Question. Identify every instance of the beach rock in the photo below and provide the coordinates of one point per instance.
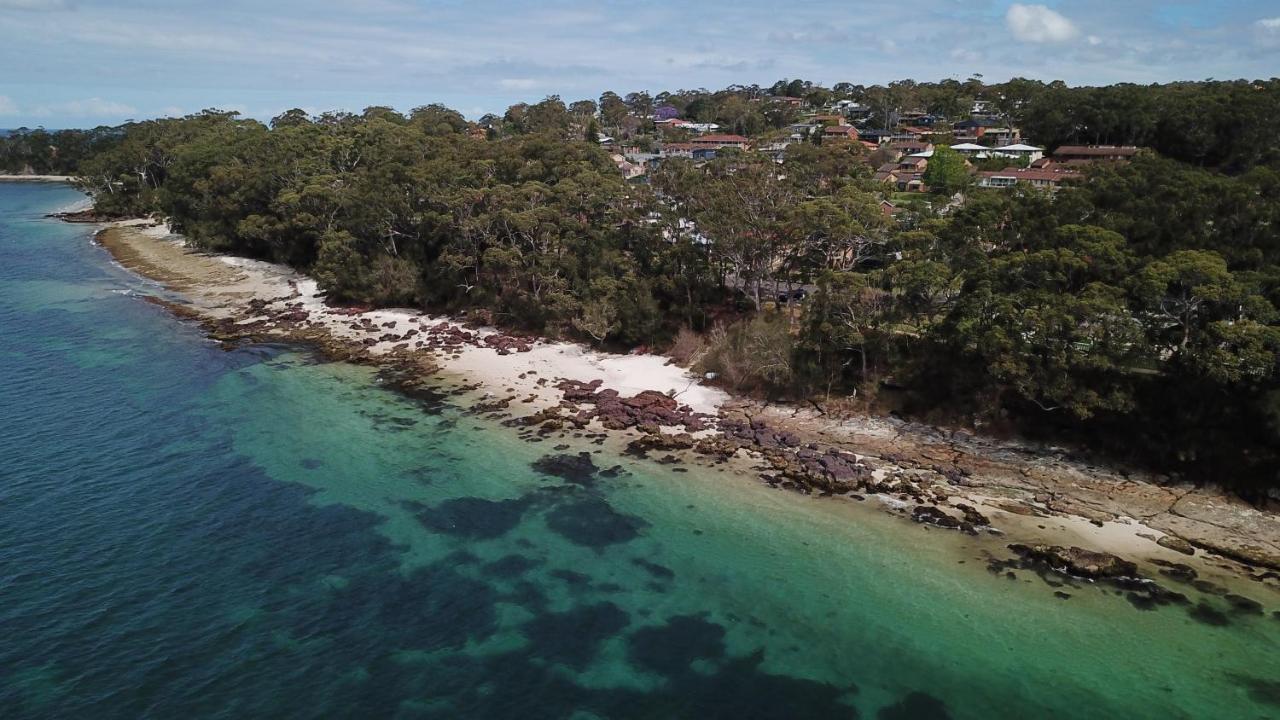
(1176, 571)
(1242, 604)
(1177, 544)
(717, 446)
(659, 440)
(1076, 561)
(971, 515)
(930, 515)
(1247, 554)
(615, 412)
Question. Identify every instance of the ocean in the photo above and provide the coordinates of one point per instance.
(187, 531)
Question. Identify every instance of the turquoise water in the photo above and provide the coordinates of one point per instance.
(191, 532)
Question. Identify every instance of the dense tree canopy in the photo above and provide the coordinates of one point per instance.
(1137, 311)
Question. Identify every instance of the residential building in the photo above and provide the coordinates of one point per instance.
(628, 169)
(1078, 154)
(878, 136)
(777, 151)
(909, 147)
(1001, 135)
(1035, 177)
(840, 133)
(720, 141)
(1029, 152)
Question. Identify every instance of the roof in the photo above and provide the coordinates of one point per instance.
(977, 122)
(722, 139)
(1098, 150)
(1032, 174)
(1019, 148)
(964, 147)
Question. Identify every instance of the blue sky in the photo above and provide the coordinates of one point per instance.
(73, 63)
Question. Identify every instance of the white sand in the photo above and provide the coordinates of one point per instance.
(499, 374)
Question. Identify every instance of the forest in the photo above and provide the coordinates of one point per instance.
(1134, 313)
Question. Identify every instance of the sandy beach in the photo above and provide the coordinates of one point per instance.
(1024, 494)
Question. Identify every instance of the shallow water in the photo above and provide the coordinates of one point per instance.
(186, 531)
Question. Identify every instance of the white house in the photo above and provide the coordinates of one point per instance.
(1030, 152)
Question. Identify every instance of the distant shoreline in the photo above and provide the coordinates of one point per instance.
(38, 178)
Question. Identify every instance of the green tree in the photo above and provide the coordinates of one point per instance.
(946, 173)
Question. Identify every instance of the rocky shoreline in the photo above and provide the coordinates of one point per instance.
(1029, 499)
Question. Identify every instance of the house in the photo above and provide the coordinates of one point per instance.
(628, 169)
(646, 160)
(801, 131)
(878, 136)
(1080, 154)
(701, 127)
(1040, 178)
(849, 107)
(915, 131)
(901, 180)
(975, 125)
(840, 132)
(777, 151)
(910, 147)
(670, 150)
(913, 163)
(906, 175)
(970, 148)
(1001, 135)
(1030, 152)
(720, 141)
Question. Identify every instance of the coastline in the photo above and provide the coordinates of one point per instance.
(1025, 495)
(38, 178)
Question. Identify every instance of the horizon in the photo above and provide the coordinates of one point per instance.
(138, 60)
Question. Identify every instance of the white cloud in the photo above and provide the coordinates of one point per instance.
(91, 108)
(1266, 32)
(1039, 24)
(7, 106)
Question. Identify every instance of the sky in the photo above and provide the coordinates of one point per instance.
(81, 63)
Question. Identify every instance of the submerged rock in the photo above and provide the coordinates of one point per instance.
(1076, 561)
